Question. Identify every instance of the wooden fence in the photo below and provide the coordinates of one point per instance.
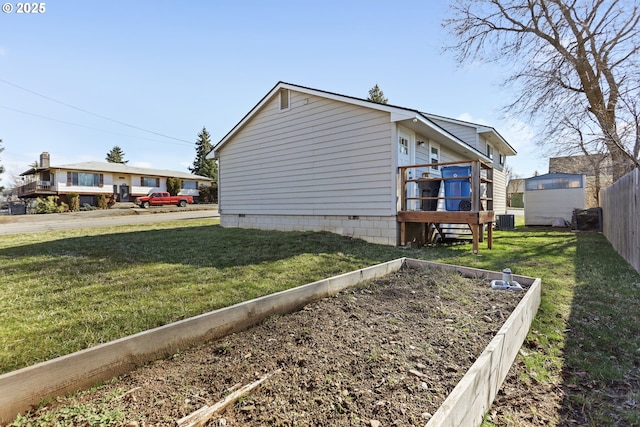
(621, 216)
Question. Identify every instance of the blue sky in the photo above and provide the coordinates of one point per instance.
(85, 76)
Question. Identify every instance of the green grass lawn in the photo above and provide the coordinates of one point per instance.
(68, 290)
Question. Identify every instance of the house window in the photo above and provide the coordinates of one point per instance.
(434, 153)
(85, 179)
(403, 145)
(489, 151)
(502, 158)
(149, 182)
(190, 185)
(285, 98)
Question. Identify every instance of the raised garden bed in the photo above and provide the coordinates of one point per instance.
(423, 343)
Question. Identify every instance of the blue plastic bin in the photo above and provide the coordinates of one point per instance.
(457, 187)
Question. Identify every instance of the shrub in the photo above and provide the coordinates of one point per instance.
(74, 201)
(101, 201)
(208, 194)
(50, 205)
(517, 200)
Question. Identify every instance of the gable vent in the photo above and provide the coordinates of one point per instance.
(284, 99)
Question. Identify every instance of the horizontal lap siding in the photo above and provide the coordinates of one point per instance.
(467, 134)
(448, 156)
(321, 157)
(499, 191)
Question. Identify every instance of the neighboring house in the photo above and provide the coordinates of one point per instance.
(307, 159)
(550, 199)
(89, 179)
(596, 167)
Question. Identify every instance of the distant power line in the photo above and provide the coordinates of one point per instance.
(91, 113)
(89, 127)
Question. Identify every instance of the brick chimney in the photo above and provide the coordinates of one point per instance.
(44, 160)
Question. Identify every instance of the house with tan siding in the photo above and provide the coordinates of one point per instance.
(308, 159)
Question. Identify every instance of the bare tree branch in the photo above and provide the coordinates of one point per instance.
(570, 58)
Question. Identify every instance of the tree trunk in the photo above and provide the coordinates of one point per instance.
(621, 164)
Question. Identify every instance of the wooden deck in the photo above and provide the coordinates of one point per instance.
(423, 226)
(433, 222)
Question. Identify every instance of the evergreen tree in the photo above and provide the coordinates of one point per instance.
(116, 155)
(376, 95)
(173, 186)
(201, 165)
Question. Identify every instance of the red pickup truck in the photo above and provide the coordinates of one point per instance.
(163, 198)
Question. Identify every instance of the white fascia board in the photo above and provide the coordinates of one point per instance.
(452, 138)
(213, 154)
(337, 97)
(480, 130)
(494, 136)
(399, 113)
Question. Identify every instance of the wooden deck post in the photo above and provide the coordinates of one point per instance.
(475, 186)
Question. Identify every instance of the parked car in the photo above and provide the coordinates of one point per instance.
(163, 198)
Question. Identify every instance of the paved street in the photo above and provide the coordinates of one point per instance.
(17, 224)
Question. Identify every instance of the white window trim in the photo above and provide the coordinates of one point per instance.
(437, 147)
(288, 98)
(490, 151)
(403, 145)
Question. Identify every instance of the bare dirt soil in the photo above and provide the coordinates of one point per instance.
(386, 353)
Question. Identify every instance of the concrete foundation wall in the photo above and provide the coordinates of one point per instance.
(374, 229)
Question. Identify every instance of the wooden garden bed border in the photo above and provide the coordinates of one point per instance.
(24, 388)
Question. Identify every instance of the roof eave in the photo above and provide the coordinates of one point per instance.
(459, 145)
(95, 167)
(492, 132)
(396, 113)
(481, 130)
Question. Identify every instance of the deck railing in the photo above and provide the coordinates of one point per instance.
(36, 187)
(467, 200)
(480, 181)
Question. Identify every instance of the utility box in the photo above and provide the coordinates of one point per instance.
(505, 222)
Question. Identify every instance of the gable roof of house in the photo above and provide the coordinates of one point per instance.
(488, 132)
(397, 114)
(118, 168)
